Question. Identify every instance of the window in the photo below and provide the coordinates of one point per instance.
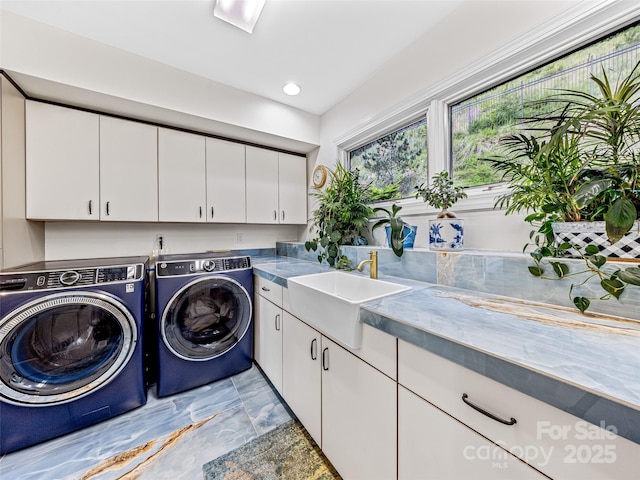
(395, 163)
(478, 123)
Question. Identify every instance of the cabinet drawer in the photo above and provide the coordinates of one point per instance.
(268, 289)
(555, 442)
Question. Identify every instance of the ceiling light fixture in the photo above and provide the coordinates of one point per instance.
(291, 88)
(239, 13)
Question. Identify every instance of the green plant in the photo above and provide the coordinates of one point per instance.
(387, 192)
(578, 161)
(341, 217)
(605, 128)
(397, 227)
(612, 281)
(441, 193)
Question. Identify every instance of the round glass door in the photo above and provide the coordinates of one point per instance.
(64, 346)
(206, 318)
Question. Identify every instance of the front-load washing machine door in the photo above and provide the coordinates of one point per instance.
(206, 318)
(63, 346)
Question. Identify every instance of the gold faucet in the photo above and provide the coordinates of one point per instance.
(373, 267)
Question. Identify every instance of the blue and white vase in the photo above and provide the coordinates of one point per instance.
(446, 234)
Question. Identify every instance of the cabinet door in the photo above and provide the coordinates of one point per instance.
(181, 177)
(128, 171)
(292, 188)
(301, 373)
(268, 340)
(62, 163)
(434, 446)
(358, 416)
(262, 186)
(226, 197)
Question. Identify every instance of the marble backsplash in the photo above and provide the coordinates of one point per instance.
(504, 274)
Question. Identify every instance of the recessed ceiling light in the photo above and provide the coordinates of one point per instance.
(291, 88)
(240, 13)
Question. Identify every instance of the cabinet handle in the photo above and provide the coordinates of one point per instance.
(211, 212)
(265, 289)
(465, 399)
(275, 215)
(90, 207)
(278, 322)
(200, 212)
(314, 349)
(283, 215)
(325, 359)
(108, 209)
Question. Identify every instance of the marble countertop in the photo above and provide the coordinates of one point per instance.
(588, 366)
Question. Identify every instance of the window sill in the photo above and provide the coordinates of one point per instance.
(478, 199)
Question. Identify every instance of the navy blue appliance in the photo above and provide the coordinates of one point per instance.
(70, 346)
(204, 319)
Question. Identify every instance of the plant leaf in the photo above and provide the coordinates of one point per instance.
(598, 260)
(592, 249)
(535, 271)
(589, 191)
(619, 218)
(630, 275)
(613, 286)
(561, 269)
(581, 303)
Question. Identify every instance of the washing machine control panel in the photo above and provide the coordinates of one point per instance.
(171, 268)
(56, 279)
(117, 274)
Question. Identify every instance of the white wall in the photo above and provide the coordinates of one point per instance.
(21, 241)
(72, 240)
(40, 51)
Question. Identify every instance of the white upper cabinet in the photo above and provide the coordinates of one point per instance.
(128, 171)
(226, 199)
(62, 163)
(262, 185)
(85, 166)
(276, 187)
(181, 177)
(292, 188)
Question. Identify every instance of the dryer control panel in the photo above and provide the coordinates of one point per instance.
(172, 268)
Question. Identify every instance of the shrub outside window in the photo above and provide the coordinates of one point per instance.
(478, 123)
(393, 164)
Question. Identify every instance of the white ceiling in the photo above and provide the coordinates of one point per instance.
(329, 47)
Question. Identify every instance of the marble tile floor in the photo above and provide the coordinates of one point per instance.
(169, 438)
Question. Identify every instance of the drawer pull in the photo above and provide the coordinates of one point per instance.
(488, 414)
(265, 289)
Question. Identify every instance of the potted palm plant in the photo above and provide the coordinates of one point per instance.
(446, 232)
(341, 218)
(578, 176)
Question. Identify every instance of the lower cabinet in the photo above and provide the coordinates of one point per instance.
(268, 339)
(302, 373)
(347, 405)
(435, 446)
(358, 416)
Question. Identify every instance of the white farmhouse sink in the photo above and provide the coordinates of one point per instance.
(331, 301)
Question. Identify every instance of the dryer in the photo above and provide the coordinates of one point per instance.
(204, 319)
(70, 346)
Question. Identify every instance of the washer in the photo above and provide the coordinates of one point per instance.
(70, 346)
(204, 313)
